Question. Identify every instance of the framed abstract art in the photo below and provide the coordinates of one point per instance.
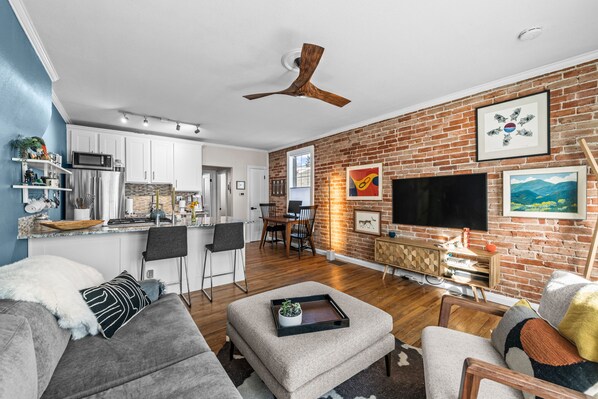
(364, 182)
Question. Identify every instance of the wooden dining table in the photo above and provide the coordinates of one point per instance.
(288, 223)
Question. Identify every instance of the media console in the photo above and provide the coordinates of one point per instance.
(475, 268)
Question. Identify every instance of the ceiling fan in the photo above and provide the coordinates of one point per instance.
(302, 87)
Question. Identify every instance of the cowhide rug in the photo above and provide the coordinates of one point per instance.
(406, 381)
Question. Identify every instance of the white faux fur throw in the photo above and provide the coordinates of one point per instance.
(53, 282)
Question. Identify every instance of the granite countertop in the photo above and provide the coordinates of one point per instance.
(47, 232)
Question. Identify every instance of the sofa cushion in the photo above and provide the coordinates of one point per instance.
(162, 335)
(18, 371)
(49, 340)
(199, 377)
(115, 302)
(558, 294)
(519, 312)
(444, 352)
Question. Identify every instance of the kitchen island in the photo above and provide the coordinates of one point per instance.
(112, 249)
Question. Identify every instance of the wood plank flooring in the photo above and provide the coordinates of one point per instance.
(411, 305)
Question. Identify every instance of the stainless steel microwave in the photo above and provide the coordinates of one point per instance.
(91, 160)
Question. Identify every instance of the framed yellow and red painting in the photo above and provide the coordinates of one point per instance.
(364, 182)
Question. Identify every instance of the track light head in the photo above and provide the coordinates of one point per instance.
(178, 126)
(145, 121)
(197, 129)
(124, 118)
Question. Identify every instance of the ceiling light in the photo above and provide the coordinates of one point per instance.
(197, 129)
(530, 33)
(145, 122)
(124, 118)
(178, 126)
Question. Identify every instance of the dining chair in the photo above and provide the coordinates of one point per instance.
(303, 230)
(269, 210)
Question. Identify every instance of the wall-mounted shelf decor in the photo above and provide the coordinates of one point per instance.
(47, 167)
(278, 187)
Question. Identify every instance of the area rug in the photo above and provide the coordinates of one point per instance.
(406, 381)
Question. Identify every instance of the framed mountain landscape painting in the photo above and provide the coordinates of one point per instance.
(552, 193)
(513, 129)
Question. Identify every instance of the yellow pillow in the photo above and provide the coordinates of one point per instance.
(580, 324)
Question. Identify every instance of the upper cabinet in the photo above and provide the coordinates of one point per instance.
(137, 168)
(187, 166)
(86, 139)
(162, 161)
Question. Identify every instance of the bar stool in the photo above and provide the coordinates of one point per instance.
(227, 237)
(168, 243)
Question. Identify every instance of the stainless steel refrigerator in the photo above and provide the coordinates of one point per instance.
(107, 189)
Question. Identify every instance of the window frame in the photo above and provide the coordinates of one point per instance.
(290, 170)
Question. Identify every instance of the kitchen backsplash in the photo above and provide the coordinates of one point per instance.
(142, 196)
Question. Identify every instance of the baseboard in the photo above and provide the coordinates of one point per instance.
(421, 279)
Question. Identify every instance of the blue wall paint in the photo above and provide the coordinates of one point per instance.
(55, 139)
(26, 109)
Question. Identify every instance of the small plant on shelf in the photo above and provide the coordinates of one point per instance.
(289, 314)
(30, 147)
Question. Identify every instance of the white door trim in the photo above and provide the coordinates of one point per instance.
(248, 191)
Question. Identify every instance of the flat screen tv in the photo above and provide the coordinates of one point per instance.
(444, 201)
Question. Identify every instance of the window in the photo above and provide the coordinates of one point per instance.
(300, 175)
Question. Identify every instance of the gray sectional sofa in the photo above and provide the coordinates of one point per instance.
(159, 354)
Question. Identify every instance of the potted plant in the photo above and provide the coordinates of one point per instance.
(290, 314)
(29, 147)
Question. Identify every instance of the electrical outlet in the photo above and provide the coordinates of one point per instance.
(149, 273)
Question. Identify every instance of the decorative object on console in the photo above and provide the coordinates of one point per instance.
(240, 185)
(278, 187)
(392, 234)
(465, 237)
(514, 129)
(367, 222)
(364, 182)
(116, 302)
(289, 314)
(490, 247)
(53, 282)
(552, 193)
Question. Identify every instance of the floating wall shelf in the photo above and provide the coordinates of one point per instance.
(47, 167)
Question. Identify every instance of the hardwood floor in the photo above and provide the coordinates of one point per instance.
(411, 305)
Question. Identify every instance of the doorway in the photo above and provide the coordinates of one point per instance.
(257, 186)
(216, 183)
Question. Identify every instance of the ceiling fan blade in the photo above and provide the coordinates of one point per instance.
(331, 98)
(289, 91)
(259, 95)
(310, 58)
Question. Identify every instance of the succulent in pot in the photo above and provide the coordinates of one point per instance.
(290, 314)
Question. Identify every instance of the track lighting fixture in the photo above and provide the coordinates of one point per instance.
(145, 118)
(178, 126)
(124, 118)
(197, 129)
(145, 122)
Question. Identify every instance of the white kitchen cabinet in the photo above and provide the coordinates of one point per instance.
(113, 144)
(162, 162)
(187, 166)
(137, 154)
(81, 140)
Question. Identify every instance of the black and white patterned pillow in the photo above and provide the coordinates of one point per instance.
(114, 303)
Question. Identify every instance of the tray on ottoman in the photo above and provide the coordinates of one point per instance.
(320, 313)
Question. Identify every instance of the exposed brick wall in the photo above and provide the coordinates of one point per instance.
(441, 141)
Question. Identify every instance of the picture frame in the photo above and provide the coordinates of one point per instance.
(240, 185)
(278, 187)
(514, 129)
(367, 222)
(549, 193)
(364, 182)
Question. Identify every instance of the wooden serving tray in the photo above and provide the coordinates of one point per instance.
(320, 313)
(66, 225)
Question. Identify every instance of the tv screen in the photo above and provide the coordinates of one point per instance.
(445, 201)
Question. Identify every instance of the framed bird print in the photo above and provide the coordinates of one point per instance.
(364, 182)
(514, 129)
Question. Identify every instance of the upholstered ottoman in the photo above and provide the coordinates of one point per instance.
(308, 365)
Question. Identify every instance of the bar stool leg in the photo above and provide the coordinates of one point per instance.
(187, 300)
(203, 273)
(142, 272)
(246, 288)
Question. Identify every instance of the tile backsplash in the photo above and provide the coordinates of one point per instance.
(142, 196)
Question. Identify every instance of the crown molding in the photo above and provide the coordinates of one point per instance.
(25, 20)
(60, 108)
(531, 73)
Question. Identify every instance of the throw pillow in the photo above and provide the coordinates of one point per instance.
(531, 346)
(115, 302)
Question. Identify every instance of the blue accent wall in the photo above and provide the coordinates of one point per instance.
(25, 108)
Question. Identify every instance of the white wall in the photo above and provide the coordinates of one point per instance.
(237, 159)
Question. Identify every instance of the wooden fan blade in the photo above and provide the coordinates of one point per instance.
(289, 91)
(310, 58)
(331, 98)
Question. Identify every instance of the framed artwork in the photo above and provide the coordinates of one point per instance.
(278, 187)
(364, 182)
(240, 185)
(552, 193)
(367, 222)
(514, 129)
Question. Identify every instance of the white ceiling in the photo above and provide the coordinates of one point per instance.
(193, 60)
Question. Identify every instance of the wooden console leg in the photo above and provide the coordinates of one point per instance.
(388, 361)
(385, 271)
(484, 294)
(475, 293)
(232, 351)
